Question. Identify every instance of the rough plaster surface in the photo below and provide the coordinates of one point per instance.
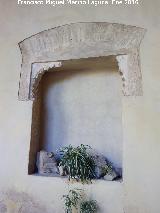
(83, 40)
(140, 115)
(19, 202)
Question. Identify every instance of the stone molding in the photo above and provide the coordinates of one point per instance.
(37, 71)
(82, 40)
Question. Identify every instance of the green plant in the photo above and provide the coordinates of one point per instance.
(88, 207)
(78, 163)
(72, 200)
(75, 201)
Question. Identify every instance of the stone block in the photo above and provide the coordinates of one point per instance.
(46, 163)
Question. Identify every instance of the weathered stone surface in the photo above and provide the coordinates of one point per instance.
(38, 69)
(83, 40)
(46, 163)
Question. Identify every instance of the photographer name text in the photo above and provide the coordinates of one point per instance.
(77, 2)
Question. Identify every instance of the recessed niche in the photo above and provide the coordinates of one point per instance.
(79, 103)
(54, 57)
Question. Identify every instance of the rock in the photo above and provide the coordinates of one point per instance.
(103, 167)
(100, 163)
(46, 163)
(112, 175)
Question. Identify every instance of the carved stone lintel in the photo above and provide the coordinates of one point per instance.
(81, 40)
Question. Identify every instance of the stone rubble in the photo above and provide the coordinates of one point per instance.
(47, 165)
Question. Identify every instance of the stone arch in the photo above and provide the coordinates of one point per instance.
(82, 40)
